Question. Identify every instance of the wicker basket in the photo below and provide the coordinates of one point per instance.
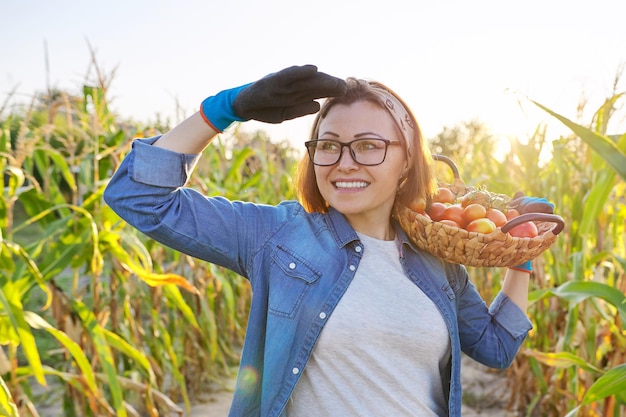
(496, 249)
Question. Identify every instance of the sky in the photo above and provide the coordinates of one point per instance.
(451, 60)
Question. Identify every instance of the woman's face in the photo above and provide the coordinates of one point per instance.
(364, 194)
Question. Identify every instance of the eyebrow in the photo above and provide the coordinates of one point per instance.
(358, 135)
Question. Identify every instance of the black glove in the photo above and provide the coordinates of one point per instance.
(280, 96)
(287, 94)
(524, 204)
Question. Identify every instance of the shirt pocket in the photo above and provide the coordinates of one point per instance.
(291, 277)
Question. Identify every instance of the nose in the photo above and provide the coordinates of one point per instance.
(346, 160)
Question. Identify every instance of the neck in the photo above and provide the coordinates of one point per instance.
(377, 230)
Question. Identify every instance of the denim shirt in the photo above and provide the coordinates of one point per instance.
(299, 265)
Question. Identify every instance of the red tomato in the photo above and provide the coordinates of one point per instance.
(496, 216)
(474, 211)
(418, 204)
(527, 229)
(454, 212)
(511, 214)
(444, 195)
(435, 211)
(451, 223)
(482, 225)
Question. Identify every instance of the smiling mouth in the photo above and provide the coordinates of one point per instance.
(351, 184)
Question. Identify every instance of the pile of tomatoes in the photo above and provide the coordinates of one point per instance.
(474, 212)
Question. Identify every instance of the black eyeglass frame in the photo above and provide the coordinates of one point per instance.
(310, 146)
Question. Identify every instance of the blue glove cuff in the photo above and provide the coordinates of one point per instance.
(525, 267)
(217, 110)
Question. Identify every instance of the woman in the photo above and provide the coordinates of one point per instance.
(348, 318)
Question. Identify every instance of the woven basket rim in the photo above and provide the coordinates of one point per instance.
(495, 249)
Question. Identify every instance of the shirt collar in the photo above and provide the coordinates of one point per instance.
(345, 234)
(340, 228)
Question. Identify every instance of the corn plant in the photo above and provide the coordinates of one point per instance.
(573, 360)
(89, 307)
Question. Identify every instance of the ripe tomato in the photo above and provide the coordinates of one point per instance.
(454, 212)
(451, 223)
(418, 204)
(482, 225)
(511, 214)
(435, 211)
(527, 229)
(496, 216)
(444, 195)
(474, 211)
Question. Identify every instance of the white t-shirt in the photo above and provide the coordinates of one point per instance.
(382, 351)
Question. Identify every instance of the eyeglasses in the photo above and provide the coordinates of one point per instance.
(365, 151)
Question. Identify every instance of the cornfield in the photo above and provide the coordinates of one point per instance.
(100, 319)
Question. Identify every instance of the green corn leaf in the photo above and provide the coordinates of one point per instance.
(226, 291)
(573, 412)
(8, 335)
(172, 292)
(76, 381)
(37, 322)
(103, 350)
(7, 406)
(16, 180)
(240, 157)
(174, 360)
(33, 269)
(126, 247)
(613, 382)
(578, 291)
(603, 145)
(10, 301)
(63, 167)
(61, 253)
(570, 326)
(596, 200)
(561, 360)
(117, 342)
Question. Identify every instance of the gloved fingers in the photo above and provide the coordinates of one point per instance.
(289, 92)
(517, 195)
(318, 85)
(293, 73)
(299, 110)
(282, 113)
(297, 84)
(525, 204)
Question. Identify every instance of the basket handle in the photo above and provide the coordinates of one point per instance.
(544, 217)
(449, 162)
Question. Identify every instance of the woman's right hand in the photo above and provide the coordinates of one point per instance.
(280, 96)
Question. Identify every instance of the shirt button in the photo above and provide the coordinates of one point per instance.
(292, 265)
(322, 315)
(352, 268)
(295, 371)
(358, 249)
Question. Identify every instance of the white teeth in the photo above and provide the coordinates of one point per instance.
(351, 184)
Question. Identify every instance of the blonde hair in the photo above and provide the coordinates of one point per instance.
(418, 181)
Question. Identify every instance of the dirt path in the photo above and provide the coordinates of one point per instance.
(484, 394)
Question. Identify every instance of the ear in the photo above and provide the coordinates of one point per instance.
(405, 171)
(403, 178)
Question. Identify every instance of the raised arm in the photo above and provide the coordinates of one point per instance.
(280, 96)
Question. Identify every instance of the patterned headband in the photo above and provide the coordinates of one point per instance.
(400, 115)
